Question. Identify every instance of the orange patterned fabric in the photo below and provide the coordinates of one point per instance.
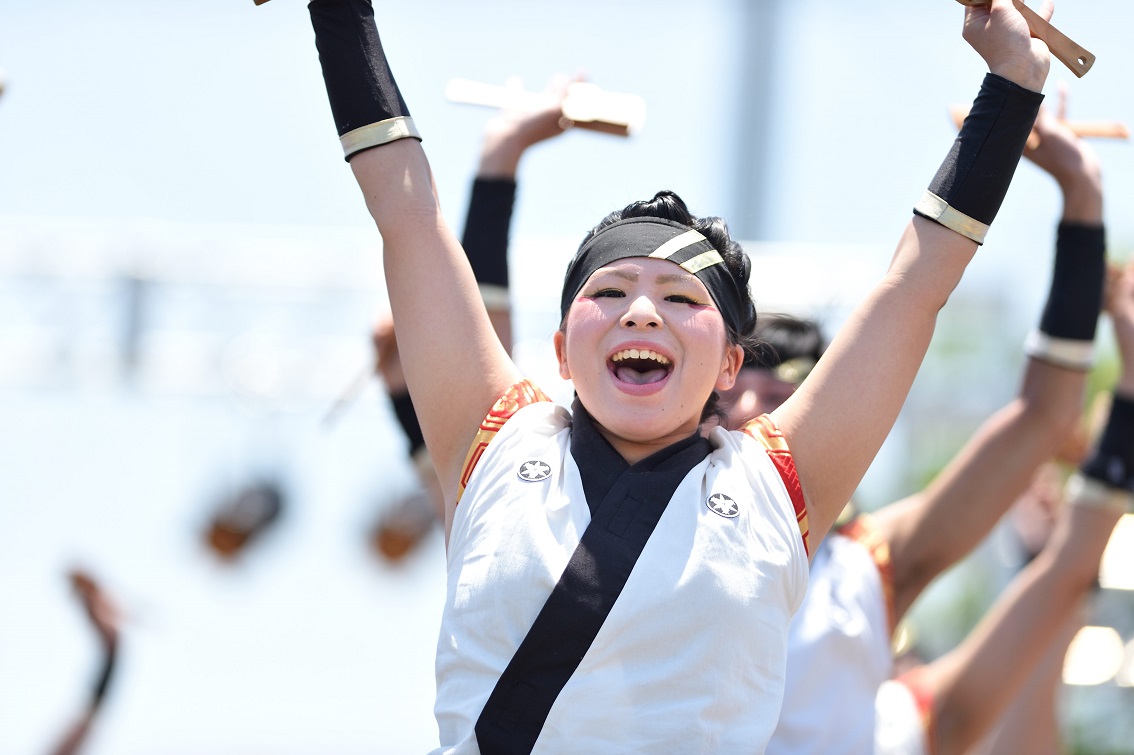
(765, 432)
(863, 530)
(917, 682)
(515, 398)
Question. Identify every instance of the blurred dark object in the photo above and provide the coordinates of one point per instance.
(243, 518)
(101, 610)
(403, 525)
(106, 619)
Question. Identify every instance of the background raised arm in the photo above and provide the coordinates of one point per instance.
(973, 684)
(933, 529)
(507, 136)
(837, 420)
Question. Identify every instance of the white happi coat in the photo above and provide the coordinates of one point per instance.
(691, 658)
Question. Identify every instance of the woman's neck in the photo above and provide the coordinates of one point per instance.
(634, 451)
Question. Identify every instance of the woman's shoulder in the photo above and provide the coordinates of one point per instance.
(761, 449)
(762, 431)
(522, 411)
(521, 405)
(544, 417)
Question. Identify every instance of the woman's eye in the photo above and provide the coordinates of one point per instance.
(681, 299)
(608, 292)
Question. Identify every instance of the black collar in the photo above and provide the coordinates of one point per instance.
(600, 466)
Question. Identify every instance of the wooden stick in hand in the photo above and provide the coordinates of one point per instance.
(585, 106)
(1088, 129)
(1066, 50)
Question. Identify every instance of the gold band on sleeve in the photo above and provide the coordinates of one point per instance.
(1083, 491)
(938, 210)
(1068, 353)
(496, 298)
(377, 134)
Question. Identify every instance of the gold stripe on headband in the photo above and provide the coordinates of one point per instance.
(701, 261)
(937, 209)
(794, 370)
(377, 134)
(677, 243)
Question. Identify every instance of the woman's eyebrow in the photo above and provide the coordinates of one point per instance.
(675, 278)
(626, 275)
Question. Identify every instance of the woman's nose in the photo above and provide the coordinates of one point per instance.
(641, 314)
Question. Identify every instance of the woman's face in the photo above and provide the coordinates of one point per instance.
(645, 345)
(756, 391)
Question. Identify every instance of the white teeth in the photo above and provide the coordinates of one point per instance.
(639, 354)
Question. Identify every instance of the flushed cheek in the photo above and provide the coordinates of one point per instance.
(578, 343)
(586, 321)
(706, 330)
(585, 310)
(707, 320)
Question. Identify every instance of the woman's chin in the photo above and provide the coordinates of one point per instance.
(647, 426)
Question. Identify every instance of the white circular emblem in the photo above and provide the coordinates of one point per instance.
(719, 503)
(534, 471)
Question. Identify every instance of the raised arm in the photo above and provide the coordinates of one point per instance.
(488, 220)
(507, 137)
(445, 337)
(837, 420)
(933, 529)
(974, 683)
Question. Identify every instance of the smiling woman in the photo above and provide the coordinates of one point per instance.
(600, 559)
(624, 298)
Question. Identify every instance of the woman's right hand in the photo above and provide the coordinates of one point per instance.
(1072, 163)
(999, 32)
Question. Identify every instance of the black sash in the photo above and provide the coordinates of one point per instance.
(626, 503)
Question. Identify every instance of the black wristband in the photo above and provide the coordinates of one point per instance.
(1077, 282)
(1112, 462)
(368, 108)
(1066, 332)
(407, 418)
(486, 230)
(970, 186)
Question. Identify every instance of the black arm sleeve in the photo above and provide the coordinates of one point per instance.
(487, 228)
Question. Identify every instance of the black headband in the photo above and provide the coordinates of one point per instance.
(660, 239)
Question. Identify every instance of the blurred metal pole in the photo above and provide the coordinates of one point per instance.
(758, 62)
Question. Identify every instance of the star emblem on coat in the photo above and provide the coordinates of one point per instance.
(534, 471)
(719, 503)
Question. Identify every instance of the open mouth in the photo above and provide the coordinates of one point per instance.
(640, 366)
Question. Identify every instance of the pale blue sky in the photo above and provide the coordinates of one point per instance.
(212, 115)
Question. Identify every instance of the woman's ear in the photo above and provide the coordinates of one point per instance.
(560, 342)
(730, 367)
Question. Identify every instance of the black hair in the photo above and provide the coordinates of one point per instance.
(781, 338)
(669, 206)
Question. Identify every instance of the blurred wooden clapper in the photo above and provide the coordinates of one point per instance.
(1069, 52)
(586, 105)
(1083, 129)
